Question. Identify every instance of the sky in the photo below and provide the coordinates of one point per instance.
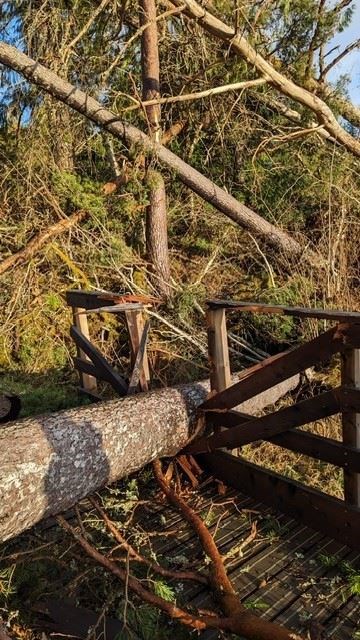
(351, 63)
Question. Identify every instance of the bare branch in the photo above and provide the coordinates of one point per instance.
(235, 86)
(338, 58)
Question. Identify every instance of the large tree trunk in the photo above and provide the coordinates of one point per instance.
(156, 216)
(48, 463)
(83, 103)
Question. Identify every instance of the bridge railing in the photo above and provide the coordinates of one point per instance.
(340, 518)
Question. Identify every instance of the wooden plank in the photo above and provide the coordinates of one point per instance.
(89, 299)
(135, 325)
(89, 368)
(139, 361)
(117, 308)
(319, 511)
(63, 618)
(350, 375)
(309, 444)
(88, 381)
(218, 350)
(275, 369)
(298, 312)
(321, 406)
(105, 371)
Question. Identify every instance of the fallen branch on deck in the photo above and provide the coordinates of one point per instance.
(237, 619)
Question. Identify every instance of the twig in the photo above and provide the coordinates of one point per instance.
(86, 27)
(239, 549)
(179, 332)
(199, 623)
(134, 555)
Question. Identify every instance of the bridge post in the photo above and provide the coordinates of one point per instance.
(218, 349)
(350, 376)
(88, 382)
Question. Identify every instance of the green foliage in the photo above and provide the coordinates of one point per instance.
(164, 591)
(256, 604)
(81, 193)
(146, 621)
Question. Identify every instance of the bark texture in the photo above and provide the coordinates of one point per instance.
(157, 235)
(92, 109)
(156, 215)
(48, 463)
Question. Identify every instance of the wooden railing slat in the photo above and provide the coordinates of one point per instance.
(105, 371)
(275, 369)
(350, 375)
(323, 405)
(299, 312)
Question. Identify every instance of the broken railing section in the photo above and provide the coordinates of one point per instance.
(90, 362)
(232, 429)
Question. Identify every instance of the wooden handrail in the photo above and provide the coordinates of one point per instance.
(280, 427)
(297, 312)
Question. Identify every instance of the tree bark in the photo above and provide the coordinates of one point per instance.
(156, 233)
(48, 463)
(156, 215)
(219, 198)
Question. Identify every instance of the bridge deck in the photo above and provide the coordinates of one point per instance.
(288, 572)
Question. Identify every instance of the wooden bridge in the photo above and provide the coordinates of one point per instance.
(284, 573)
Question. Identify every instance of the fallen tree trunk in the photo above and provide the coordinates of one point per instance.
(48, 463)
(89, 107)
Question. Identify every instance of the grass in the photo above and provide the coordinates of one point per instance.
(43, 393)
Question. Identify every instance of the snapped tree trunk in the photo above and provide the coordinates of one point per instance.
(156, 216)
(92, 109)
(48, 463)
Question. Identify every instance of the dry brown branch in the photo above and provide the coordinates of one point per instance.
(243, 623)
(173, 131)
(134, 555)
(40, 239)
(284, 85)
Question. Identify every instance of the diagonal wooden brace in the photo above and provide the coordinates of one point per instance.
(263, 428)
(102, 368)
(277, 368)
